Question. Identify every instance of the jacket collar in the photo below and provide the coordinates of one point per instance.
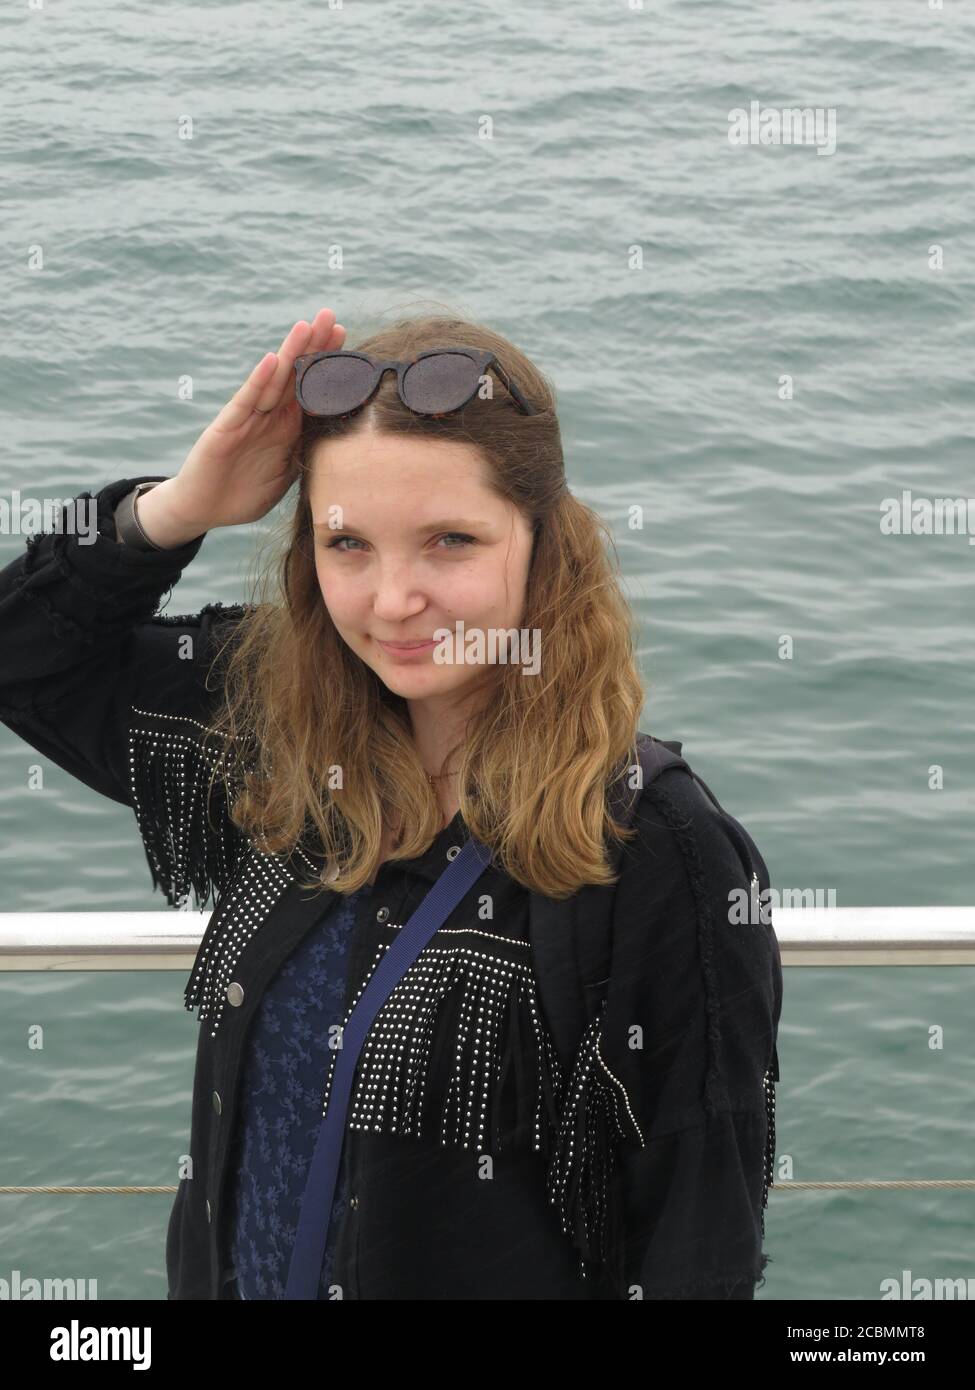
(428, 866)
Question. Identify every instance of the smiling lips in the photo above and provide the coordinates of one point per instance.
(405, 649)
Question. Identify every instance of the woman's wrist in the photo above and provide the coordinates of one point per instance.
(160, 518)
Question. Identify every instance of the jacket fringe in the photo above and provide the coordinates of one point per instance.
(459, 1051)
(582, 1172)
(189, 838)
(582, 1180)
(769, 1144)
(581, 1176)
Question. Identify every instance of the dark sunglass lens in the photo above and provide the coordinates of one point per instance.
(439, 383)
(334, 385)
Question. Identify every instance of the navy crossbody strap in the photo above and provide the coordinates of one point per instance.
(305, 1270)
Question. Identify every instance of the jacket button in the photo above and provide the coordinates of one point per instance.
(216, 1102)
(354, 1202)
(208, 1208)
(453, 852)
(382, 915)
(235, 994)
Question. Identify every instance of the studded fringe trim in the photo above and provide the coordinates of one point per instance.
(190, 840)
(769, 1181)
(595, 1117)
(243, 909)
(459, 1051)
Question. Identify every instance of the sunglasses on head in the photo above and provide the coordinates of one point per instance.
(437, 382)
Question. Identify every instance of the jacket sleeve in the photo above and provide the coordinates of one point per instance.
(687, 1048)
(111, 692)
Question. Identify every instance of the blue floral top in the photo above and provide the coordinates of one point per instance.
(285, 1068)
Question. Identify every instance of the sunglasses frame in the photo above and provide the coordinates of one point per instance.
(482, 359)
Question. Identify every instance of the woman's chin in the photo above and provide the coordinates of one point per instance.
(418, 683)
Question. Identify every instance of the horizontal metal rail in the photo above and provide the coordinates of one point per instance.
(779, 1186)
(169, 939)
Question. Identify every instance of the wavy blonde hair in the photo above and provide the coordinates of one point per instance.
(539, 757)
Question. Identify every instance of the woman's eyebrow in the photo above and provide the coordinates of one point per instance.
(450, 524)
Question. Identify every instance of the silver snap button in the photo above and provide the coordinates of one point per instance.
(382, 915)
(354, 1202)
(235, 994)
(453, 852)
(216, 1102)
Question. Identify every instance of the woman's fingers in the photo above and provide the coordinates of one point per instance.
(243, 402)
(315, 337)
(322, 328)
(272, 380)
(326, 336)
(323, 334)
(298, 340)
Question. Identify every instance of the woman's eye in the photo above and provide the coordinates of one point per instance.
(457, 535)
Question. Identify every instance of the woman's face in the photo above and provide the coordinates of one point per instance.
(409, 540)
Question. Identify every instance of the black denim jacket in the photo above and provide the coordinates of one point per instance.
(517, 1130)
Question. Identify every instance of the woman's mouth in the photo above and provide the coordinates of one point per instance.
(403, 649)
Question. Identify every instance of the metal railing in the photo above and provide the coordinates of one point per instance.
(168, 939)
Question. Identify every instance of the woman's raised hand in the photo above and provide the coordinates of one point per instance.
(241, 465)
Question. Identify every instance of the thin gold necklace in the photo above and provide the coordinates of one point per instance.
(433, 780)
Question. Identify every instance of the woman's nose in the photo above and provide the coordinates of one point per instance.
(397, 596)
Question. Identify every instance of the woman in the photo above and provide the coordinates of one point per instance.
(570, 1093)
